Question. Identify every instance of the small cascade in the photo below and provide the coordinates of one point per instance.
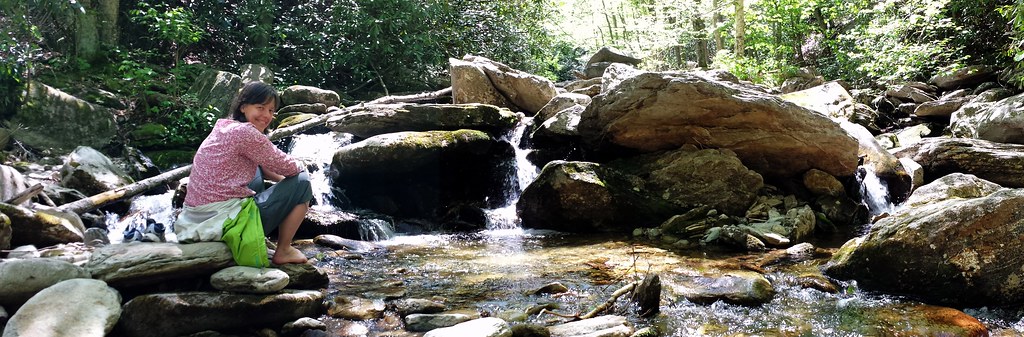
(874, 191)
(155, 207)
(525, 172)
(318, 150)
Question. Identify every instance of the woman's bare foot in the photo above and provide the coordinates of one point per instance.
(287, 254)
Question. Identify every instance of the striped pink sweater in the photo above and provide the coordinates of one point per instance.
(226, 162)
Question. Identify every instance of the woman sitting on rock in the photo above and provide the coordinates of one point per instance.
(225, 198)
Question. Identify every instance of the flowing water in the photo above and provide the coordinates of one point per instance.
(493, 272)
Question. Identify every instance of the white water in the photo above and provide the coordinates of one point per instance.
(874, 191)
(318, 150)
(506, 217)
(157, 207)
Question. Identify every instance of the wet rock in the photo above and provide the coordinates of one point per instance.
(337, 242)
(409, 306)
(551, 288)
(139, 263)
(996, 162)
(148, 315)
(536, 309)
(589, 197)
(355, 308)
(86, 308)
(598, 326)
(879, 161)
(243, 279)
(301, 325)
(737, 287)
(702, 111)
(428, 322)
(558, 131)
(647, 295)
(302, 94)
(483, 327)
(421, 174)
(305, 276)
(387, 118)
(816, 281)
(96, 237)
(21, 279)
(24, 252)
(92, 172)
(957, 230)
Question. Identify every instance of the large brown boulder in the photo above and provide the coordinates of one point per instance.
(1000, 163)
(663, 111)
(527, 91)
(961, 231)
(387, 118)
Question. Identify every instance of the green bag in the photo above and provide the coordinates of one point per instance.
(244, 235)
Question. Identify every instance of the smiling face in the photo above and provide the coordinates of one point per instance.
(259, 115)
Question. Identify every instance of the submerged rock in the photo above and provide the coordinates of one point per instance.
(737, 287)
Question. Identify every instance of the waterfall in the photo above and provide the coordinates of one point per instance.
(525, 172)
(874, 191)
(317, 150)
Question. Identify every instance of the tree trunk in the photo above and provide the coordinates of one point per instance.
(86, 31)
(716, 20)
(107, 22)
(740, 28)
(702, 42)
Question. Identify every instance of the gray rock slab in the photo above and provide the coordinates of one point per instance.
(140, 263)
(76, 307)
(22, 279)
(242, 279)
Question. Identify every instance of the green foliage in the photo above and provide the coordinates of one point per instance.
(173, 25)
(191, 125)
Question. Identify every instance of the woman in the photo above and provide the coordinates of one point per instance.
(226, 187)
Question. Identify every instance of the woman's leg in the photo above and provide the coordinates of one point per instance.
(285, 253)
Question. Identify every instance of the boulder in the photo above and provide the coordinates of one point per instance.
(561, 102)
(606, 326)
(561, 130)
(43, 121)
(909, 93)
(215, 88)
(963, 77)
(821, 183)
(527, 91)
(179, 314)
(736, 287)
(12, 182)
(940, 108)
(409, 306)
(611, 54)
(301, 325)
(305, 276)
(428, 322)
(43, 227)
(999, 122)
(471, 85)
(92, 172)
(302, 94)
(355, 308)
(139, 263)
(22, 279)
(960, 231)
(1000, 163)
(256, 72)
(76, 307)
(388, 118)
(830, 99)
(588, 197)
(420, 174)
(663, 111)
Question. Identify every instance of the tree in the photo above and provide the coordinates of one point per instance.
(740, 29)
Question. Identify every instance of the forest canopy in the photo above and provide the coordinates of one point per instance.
(366, 48)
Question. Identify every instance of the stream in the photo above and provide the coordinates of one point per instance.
(494, 271)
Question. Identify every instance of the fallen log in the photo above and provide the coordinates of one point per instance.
(23, 196)
(427, 96)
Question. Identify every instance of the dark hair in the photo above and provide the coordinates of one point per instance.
(254, 92)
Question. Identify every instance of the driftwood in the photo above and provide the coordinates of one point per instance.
(23, 196)
(599, 309)
(427, 96)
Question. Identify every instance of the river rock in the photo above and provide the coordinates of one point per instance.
(12, 182)
(963, 77)
(589, 87)
(471, 85)
(139, 263)
(387, 118)
(409, 306)
(482, 327)
(1000, 163)
(736, 286)
(21, 279)
(527, 91)
(957, 229)
(420, 174)
(301, 325)
(605, 326)
(177, 314)
(76, 307)
(997, 122)
(940, 108)
(5, 232)
(428, 322)
(45, 227)
(910, 93)
(821, 183)
(558, 131)
(241, 279)
(830, 99)
(690, 177)
(215, 88)
(42, 120)
(561, 102)
(305, 276)
(356, 308)
(92, 172)
(588, 197)
(663, 111)
(302, 94)
(337, 242)
(303, 108)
